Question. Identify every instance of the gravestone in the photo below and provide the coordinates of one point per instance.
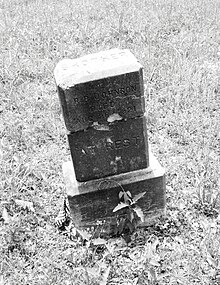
(102, 100)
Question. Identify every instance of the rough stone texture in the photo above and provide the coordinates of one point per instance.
(94, 87)
(114, 148)
(95, 200)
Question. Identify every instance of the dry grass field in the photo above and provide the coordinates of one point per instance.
(178, 43)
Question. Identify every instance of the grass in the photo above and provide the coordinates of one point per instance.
(178, 43)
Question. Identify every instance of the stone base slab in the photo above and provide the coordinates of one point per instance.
(94, 200)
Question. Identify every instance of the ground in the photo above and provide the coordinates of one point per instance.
(178, 43)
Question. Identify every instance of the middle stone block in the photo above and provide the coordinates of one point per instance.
(104, 150)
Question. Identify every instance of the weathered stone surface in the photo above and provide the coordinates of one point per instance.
(109, 149)
(95, 200)
(94, 87)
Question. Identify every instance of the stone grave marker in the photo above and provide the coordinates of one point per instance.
(102, 100)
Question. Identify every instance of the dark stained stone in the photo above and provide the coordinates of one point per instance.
(102, 99)
(114, 148)
(95, 200)
(94, 87)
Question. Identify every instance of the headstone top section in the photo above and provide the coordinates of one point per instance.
(70, 72)
(100, 88)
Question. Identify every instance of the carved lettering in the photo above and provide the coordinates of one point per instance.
(109, 145)
(122, 143)
(133, 88)
(131, 108)
(118, 144)
(136, 140)
(108, 57)
(76, 100)
(91, 150)
(86, 98)
(126, 142)
(109, 96)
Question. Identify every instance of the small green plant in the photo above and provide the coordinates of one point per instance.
(129, 213)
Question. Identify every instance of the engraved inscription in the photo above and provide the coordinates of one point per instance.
(122, 143)
(124, 108)
(112, 145)
(108, 94)
(96, 60)
(95, 101)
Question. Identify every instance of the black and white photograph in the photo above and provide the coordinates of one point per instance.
(110, 142)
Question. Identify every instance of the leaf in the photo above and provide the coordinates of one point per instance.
(130, 226)
(131, 216)
(84, 235)
(99, 241)
(121, 225)
(110, 246)
(105, 276)
(138, 197)
(71, 229)
(120, 195)
(25, 204)
(5, 216)
(120, 206)
(61, 218)
(139, 213)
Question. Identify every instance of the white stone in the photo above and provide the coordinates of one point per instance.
(104, 64)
